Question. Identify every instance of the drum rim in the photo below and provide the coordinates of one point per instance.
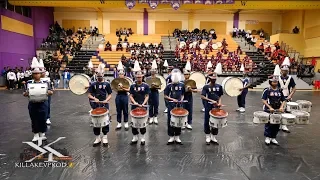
(176, 115)
(220, 117)
(141, 116)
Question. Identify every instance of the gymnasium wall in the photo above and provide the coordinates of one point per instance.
(312, 33)
(291, 19)
(268, 22)
(111, 21)
(70, 19)
(162, 22)
(222, 23)
(42, 19)
(16, 39)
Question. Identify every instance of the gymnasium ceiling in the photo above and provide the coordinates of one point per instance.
(112, 4)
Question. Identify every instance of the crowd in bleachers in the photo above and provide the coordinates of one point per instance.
(195, 35)
(124, 31)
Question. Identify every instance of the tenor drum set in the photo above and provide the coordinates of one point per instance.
(100, 117)
(218, 118)
(297, 113)
(179, 117)
(139, 117)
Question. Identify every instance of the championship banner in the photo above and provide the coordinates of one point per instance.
(153, 4)
(175, 4)
(130, 3)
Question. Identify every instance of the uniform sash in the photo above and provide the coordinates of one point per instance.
(285, 86)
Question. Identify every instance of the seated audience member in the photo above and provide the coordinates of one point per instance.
(224, 43)
(261, 48)
(119, 39)
(125, 39)
(118, 33)
(268, 51)
(234, 33)
(277, 45)
(253, 41)
(239, 51)
(79, 30)
(261, 34)
(108, 47)
(119, 47)
(295, 30)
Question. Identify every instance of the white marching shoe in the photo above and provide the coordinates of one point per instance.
(203, 110)
(242, 110)
(150, 120)
(143, 140)
(171, 140)
(105, 140)
(166, 110)
(274, 141)
(208, 139)
(267, 141)
(135, 139)
(238, 109)
(126, 126)
(183, 127)
(188, 126)
(119, 125)
(155, 120)
(43, 136)
(97, 141)
(284, 128)
(213, 139)
(35, 137)
(48, 122)
(177, 140)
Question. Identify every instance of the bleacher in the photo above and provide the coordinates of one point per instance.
(80, 60)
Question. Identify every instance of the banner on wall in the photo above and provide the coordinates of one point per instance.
(153, 4)
(252, 22)
(130, 3)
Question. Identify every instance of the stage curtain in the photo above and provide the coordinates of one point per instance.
(117, 24)
(165, 27)
(220, 27)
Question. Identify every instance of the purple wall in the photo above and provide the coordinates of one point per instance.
(236, 20)
(145, 22)
(14, 46)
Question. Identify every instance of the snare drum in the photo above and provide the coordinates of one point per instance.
(231, 86)
(139, 117)
(302, 117)
(260, 117)
(38, 92)
(79, 84)
(292, 106)
(100, 117)
(179, 117)
(218, 118)
(305, 105)
(275, 118)
(288, 119)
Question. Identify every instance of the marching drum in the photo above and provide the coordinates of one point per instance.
(139, 117)
(302, 117)
(292, 106)
(38, 92)
(202, 46)
(275, 118)
(199, 78)
(219, 44)
(163, 83)
(288, 119)
(215, 46)
(100, 117)
(261, 117)
(179, 117)
(79, 84)
(304, 105)
(231, 86)
(218, 118)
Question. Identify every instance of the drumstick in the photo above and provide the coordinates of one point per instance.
(217, 103)
(139, 105)
(179, 101)
(99, 102)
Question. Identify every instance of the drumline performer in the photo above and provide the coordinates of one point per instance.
(241, 99)
(37, 110)
(174, 93)
(154, 96)
(273, 99)
(188, 96)
(211, 93)
(122, 101)
(45, 78)
(288, 86)
(139, 96)
(99, 95)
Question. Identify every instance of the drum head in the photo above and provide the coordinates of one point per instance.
(139, 112)
(99, 111)
(232, 85)
(163, 82)
(179, 112)
(218, 113)
(214, 46)
(199, 78)
(79, 84)
(202, 46)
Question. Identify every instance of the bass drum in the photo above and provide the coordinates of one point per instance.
(79, 84)
(231, 86)
(199, 78)
(163, 83)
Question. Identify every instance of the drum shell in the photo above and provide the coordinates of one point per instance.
(260, 117)
(38, 98)
(139, 121)
(288, 121)
(275, 118)
(304, 105)
(218, 122)
(292, 107)
(178, 121)
(301, 119)
(100, 121)
(34, 96)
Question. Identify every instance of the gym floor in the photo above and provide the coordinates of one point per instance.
(241, 154)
